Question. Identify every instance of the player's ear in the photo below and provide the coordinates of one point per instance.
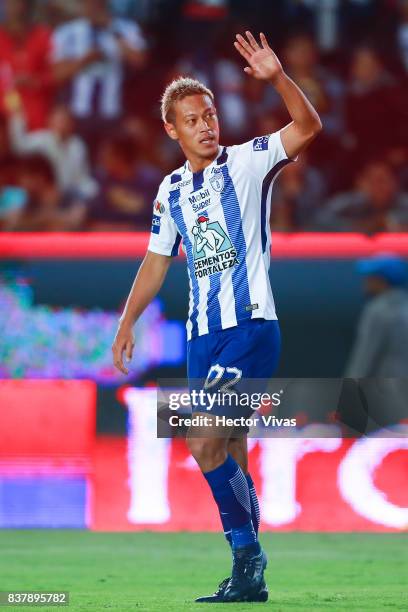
(171, 130)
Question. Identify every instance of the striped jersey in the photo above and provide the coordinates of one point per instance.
(221, 215)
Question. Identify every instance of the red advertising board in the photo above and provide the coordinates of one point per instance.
(47, 433)
(55, 472)
(314, 496)
(307, 484)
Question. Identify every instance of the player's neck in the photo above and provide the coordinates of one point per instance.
(198, 164)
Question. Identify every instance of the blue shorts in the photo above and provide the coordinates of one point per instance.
(230, 358)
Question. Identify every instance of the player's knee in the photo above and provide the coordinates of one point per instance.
(209, 453)
(200, 448)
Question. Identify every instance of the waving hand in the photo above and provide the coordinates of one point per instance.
(263, 63)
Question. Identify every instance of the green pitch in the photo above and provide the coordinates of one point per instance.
(165, 572)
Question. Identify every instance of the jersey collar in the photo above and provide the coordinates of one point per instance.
(218, 159)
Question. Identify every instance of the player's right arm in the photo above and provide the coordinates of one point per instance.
(264, 65)
(146, 285)
(163, 246)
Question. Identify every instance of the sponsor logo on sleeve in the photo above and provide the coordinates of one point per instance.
(156, 224)
(261, 143)
(158, 208)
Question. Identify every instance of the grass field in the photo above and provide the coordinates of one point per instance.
(165, 572)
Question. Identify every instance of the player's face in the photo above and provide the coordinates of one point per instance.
(196, 126)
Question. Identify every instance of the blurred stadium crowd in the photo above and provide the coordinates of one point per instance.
(81, 141)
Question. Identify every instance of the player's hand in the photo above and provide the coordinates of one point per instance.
(263, 63)
(123, 344)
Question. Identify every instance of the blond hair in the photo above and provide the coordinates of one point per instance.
(177, 90)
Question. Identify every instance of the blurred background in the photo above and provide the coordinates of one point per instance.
(81, 141)
(82, 152)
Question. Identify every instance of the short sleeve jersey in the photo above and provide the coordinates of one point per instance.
(221, 215)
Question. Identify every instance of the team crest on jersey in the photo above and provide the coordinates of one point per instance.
(213, 250)
(217, 180)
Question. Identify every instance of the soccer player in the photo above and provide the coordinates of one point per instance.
(218, 204)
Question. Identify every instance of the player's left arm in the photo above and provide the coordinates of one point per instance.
(264, 65)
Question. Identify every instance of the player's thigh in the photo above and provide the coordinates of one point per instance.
(261, 350)
(245, 352)
(198, 364)
(243, 360)
(198, 361)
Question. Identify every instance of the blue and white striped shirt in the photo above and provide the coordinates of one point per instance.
(222, 216)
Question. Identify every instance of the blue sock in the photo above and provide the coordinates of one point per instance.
(227, 528)
(231, 493)
(255, 512)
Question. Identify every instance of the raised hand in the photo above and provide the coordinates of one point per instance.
(263, 63)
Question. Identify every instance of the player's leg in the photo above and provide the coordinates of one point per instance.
(228, 484)
(253, 350)
(238, 449)
(211, 453)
